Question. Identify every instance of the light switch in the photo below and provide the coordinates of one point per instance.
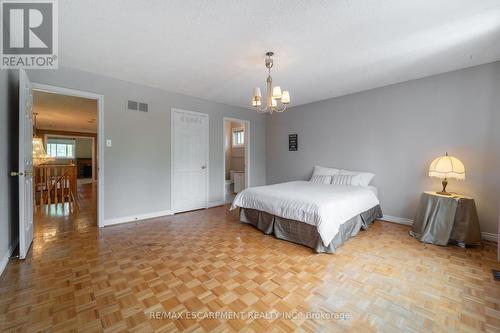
(108, 143)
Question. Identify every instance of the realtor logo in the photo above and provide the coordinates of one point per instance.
(29, 34)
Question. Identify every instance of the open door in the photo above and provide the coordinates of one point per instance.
(25, 171)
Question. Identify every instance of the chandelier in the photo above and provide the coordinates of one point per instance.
(39, 154)
(274, 94)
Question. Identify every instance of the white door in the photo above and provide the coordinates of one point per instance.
(25, 164)
(190, 157)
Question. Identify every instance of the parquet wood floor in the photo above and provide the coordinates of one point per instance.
(83, 279)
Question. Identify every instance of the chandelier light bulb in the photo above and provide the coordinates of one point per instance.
(256, 102)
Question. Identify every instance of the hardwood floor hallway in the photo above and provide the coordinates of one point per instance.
(64, 218)
(205, 271)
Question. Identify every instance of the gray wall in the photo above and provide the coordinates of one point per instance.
(137, 166)
(8, 160)
(395, 132)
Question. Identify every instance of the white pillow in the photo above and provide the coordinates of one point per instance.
(342, 179)
(359, 178)
(318, 179)
(322, 171)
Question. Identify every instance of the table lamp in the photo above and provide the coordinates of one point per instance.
(445, 167)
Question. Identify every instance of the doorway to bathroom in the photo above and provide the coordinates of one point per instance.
(236, 157)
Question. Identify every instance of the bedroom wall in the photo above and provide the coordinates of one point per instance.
(9, 227)
(395, 132)
(137, 166)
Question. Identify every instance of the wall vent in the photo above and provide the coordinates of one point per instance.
(143, 107)
(137, 106)
(131, 105)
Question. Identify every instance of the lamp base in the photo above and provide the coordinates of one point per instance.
(445, 183)
(444, 193)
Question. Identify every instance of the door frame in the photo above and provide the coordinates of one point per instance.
(172, 154)
(100, 136)
(247, 152)
(94, 160)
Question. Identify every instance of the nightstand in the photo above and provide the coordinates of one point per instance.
(443, 219)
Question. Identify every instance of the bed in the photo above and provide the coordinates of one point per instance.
(321, 216)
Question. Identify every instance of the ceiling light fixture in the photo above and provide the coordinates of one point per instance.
(39, 154)
(274, 94)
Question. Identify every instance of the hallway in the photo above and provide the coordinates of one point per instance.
(54, 220)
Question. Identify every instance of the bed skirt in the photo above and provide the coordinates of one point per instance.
(306, 234)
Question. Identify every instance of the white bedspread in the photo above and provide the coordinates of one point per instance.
(322, 205)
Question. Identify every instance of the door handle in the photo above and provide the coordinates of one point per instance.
(203, 167)
(15, 174)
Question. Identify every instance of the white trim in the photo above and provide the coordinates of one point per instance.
(489, 236)
(396, 219)
(100, 137)
(172, 127)
(172, 155)
(139, 217)
(6, 257)
(216, 203)
(247, 152)
(65, 91)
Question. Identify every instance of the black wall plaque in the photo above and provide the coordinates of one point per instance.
(293, 144)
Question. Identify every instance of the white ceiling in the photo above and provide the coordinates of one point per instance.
(215, 49)
(65, 113)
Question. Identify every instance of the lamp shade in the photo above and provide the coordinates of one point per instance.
(257, 93)
(447, 167)
(285, 97)
(277, 92)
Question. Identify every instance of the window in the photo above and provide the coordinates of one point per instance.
(238, 137)
(61, 148)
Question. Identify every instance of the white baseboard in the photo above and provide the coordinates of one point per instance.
(133, 218)
(8, 254)
(396, 219)
(216, 203)
(489, 236)
(401, 220)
